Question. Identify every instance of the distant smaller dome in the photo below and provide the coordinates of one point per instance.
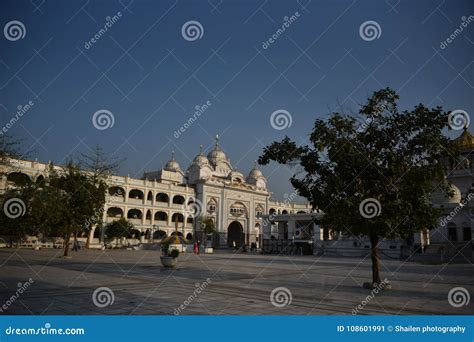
(456, 195)
(439, 197)
(172, 164)
(200, 159)
(255, 173)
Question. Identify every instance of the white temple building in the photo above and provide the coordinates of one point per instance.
(210, 185)
(243, 212)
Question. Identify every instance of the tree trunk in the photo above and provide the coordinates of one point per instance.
(374, 253)
(66, 246)
(89, 233)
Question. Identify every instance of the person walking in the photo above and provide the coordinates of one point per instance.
(74, 246)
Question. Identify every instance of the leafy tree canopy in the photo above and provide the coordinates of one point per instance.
(393, 159)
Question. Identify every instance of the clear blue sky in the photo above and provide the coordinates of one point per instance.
(144, 72)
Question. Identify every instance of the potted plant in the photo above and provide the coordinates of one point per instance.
(168, 257)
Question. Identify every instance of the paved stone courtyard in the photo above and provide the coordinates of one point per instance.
(241, 284)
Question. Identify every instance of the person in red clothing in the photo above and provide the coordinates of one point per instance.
(196, 248)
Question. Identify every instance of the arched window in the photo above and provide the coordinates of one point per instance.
(161, 216)
(179, 216)
(117, 191)
(19, 178)
(178, 199)
(135, 194)
(150, 196)
(162, 197)
(115, 212)
(134, 214)
(211, 206)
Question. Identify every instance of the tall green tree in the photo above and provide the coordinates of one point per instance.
(373, 176)
(76, 197)
(16, 213)
(99, 166)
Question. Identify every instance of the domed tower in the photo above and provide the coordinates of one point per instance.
(219, 160)
(256, 178)
(200, 168)
(172, 165)
(171, 173)
(466, 145)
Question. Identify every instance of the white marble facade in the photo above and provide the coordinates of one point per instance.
(238, 203)
(156, 201)
(456, 223)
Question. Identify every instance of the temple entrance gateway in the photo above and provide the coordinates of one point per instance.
(235, 233)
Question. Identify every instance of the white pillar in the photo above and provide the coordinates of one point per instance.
(291, 229)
